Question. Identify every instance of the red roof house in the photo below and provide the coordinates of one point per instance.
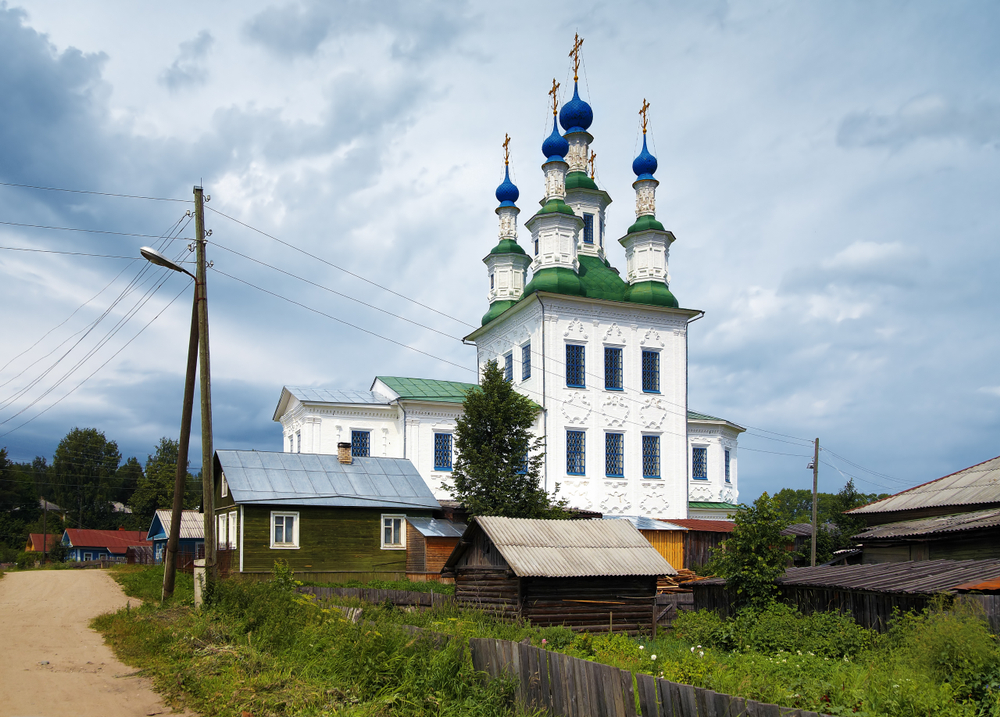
(97, 544)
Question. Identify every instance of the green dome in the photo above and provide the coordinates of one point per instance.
(579, 180)
(507, 246)
(556, 205)
(599, 280)
(653, 293)
(497, 308)
(645, 223)
(556, 280)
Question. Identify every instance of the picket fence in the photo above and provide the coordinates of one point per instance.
(571, 687)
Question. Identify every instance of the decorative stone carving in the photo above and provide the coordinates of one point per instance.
(726, 495)
(385, 442)
(654, 500)
(576, 493)
(555, 183)
(652, 340)
(615, 410)
(615, 501)
(653, 413)
(700, 492)
(508, 225)
(576, 331)
(645, 199)
(577, 156)
(614, 335)
(576, 409)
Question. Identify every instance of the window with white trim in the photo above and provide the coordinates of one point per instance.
(393, 533)
(361, 444)
(225, 486)
(284, 530)
(699, 463)
(442, 451)
(612, 368)
(232, 530)
(222, 531)
(298, 441)
(651, 371)
(526, 361)
(588, 228)
(575, 367)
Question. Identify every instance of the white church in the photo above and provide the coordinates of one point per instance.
(604, 356)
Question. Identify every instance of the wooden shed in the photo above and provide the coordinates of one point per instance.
(429, 542)
(666, 538)
(701, 538)
(589, 575)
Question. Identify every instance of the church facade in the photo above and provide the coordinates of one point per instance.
(604, 355)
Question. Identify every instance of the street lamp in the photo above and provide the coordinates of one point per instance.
(170, 557)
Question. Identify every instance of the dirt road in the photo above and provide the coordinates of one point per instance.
(51, 663)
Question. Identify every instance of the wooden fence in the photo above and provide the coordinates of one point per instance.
(571, 687)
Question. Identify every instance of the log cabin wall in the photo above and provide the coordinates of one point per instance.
(591, 604)
(491, 589)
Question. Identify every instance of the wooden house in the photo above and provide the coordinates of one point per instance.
(429, 542)
(701, 537)
(665, 537)
(589, 575)
(35, 542)
(334, 518)
(192, 534)
(956, 517)
(85, 544)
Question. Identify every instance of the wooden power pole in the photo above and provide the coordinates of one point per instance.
(207, 483)
(812, 560)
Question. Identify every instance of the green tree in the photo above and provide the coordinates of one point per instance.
(18, 507)
(499, 458)
(155, 488)
(754, 555)
(795, 506)
(129, 476)
(84, 477)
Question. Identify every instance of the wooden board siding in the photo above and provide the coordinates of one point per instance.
(342, 540)
(416, 550)
(698, 546)
(592, 604)
(668, 543)
(438, 550)
(481, 553)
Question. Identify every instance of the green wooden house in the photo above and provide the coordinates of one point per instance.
(334, 518)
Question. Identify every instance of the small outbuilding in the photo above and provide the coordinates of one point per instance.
(589, 575)
(429, 542)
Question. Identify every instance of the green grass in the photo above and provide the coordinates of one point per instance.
(146, 583)
(406, 585)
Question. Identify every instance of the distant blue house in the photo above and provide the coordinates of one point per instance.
(83, 544)
(192, 537)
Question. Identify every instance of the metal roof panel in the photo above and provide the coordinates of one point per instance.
(975, 485)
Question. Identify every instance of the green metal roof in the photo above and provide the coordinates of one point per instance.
(645, 223)
(579, 180)
(557, 206)
(427, 389)
(507, 246)
(554, 279)
(695, 416)
(705, 505)
(653, 293)
(497, 308)
(599, 280)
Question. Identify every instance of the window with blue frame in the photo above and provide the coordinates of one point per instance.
(727, 467)
(650, 456)
(651, 371)
(508, 367)
(588, 228)
(600, 238)
(575, 368)
(699, 463)
(526, 361)
(612, 369)
(576, 442)
(361, 444)
(442, 451)
(614, 455)
(536, 247)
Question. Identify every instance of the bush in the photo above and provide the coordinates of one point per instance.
(25, 560)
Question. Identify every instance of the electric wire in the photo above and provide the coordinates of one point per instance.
(70, 253)
(88, 191)
(339, 268)
(78, 229)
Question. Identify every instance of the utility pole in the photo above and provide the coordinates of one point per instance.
(45, 530)
(815, 467)
(207, 483)
(180, 479)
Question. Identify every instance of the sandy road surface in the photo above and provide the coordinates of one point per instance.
(51, 663)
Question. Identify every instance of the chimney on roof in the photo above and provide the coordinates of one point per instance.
(344, 453)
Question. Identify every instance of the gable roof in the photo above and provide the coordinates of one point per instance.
(976, 485)
(114, 541)
(312, 479)
(426, 389)
(937, 525)
(568, 548)
(35, 539)
(326, 395)
(192, 525)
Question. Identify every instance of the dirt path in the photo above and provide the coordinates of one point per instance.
(51, 663)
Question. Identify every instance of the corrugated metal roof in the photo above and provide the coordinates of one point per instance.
(806, 529)
(573, 548)
(115, 541)
(36, 541)
(709, 505)
(436, 528)
(695, 416)
(954, 523)
(427, 389)
(707, 526)
(922, 577)
(641, 522)
(982, 586)
(192, 524)
(976, 485)
(322, 480)
(337, 395)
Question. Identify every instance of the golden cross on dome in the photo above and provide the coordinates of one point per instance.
(555, 100)
(593, 156)
(506, 149)
(644, 112)
(575, 54)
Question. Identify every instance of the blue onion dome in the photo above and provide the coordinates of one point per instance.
(645, 164)
(555, 147)
(507, 192)
(576, 115)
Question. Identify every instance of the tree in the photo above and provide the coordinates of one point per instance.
(499, 458)
(18, 507)
(755, 554)
(129, 476)
(84, 477)
(155, 488)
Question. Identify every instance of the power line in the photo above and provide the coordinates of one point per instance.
(340, 268)
(77, 229)
(71, 253)
(776, 453)
(87, 191)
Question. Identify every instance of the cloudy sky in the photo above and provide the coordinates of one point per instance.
(831, 172)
